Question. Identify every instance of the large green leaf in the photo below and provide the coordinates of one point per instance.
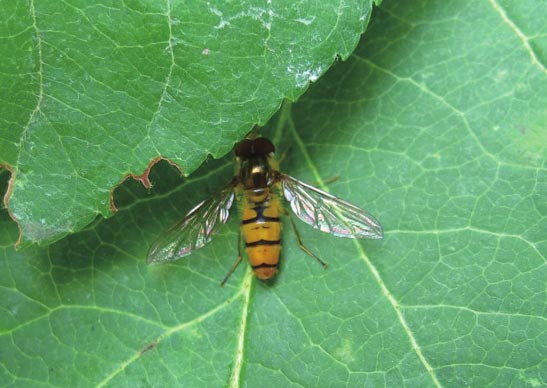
(437, 126)
(91, 93)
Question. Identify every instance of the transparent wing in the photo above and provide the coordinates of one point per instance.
(195, 229)
(328, 213)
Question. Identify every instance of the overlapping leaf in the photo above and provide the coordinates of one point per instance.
(93, 92)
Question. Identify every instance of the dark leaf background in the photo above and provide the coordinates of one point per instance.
(436, 125)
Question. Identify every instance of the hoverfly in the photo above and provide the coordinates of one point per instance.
(257, 184)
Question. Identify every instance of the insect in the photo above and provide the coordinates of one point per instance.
(259, 187)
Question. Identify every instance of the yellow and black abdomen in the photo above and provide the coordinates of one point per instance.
(261, 227)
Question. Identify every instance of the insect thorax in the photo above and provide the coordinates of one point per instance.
(260, 197)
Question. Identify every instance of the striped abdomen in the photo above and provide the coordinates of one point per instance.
(261, 229)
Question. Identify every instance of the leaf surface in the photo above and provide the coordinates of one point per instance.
(436, 126)
(93, 93)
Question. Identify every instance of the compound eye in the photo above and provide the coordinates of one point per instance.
(243, 148)
(263, 146)
(259, 146)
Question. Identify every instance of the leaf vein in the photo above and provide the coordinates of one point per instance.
(523, 38)
(175, 329)
(473, 311)
(394, 303)
(238, 362)
(40, 98)
(172, 65)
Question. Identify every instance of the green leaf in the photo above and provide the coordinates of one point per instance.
(436, 125)
(93, 93)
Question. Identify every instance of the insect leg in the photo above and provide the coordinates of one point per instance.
(238, 259)
(301, 244)
(328, 181)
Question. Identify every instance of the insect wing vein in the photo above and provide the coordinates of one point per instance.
(328, 213)
(195, 229)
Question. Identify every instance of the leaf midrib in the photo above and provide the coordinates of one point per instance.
(385, 290)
